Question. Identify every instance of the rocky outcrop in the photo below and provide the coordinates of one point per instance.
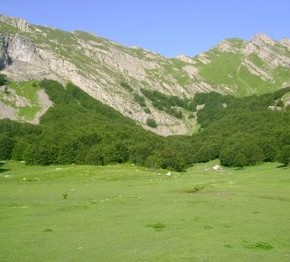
(19, 23)
(256, 70)
(99, 66)
(264, 47)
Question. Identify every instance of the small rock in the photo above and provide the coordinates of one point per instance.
(217, 168)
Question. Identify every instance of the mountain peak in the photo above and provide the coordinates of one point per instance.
(231, 45)
(285, 42)
(125, 78)
(262, 38)
(15, 22)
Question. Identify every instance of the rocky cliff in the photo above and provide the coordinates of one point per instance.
(115, 74)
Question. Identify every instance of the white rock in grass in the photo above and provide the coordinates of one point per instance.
(168, 174)
(217, 168)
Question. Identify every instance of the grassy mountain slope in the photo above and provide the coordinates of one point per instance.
(244, 68)
(115, 74)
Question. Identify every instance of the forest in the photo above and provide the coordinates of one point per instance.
(238, 131)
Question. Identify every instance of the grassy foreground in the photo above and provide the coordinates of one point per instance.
(128, 213)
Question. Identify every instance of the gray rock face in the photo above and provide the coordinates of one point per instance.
(16, 22)
(4, 58)
(99, 66)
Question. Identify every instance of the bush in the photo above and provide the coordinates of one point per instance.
(126, 86)
(151, 122)
(3, 80)
(140, 100)
(6, 147)
(157, 226)
(147, 110)
(240, 160)
(285, 155)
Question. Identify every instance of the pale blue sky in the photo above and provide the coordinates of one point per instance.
(169, 27)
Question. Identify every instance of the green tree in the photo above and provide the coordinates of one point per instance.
(285, 155)
(240, 160)
(3, 80)
(19, 148)
(6, 147)
(94, 156)
(151, 122)
(227, 155)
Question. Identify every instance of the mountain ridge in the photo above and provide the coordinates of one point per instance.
(115, 74)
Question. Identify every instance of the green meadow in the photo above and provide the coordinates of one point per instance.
(130, 213)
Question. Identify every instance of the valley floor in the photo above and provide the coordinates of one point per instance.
(129, 213)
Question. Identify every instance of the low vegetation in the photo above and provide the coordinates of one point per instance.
(127, 213)
(169, 104)
(238, 131)
(151, 122)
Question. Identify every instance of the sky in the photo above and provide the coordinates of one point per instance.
(168, 27)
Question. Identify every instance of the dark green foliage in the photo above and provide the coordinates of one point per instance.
(269, 147)
(214, 106)
(140, 152)
(166, 103)
(151, 122)
(240, 160)
(157, 226)
(126, 86)
(241, 146)
(3, 80)
(285, 155)
(280, 103)
(147, 110)
(210, 113)
(79, 129)
(40, 154)
(6, 147)
(260, 246)
(207, 152)
(195, 189)
(140, 100)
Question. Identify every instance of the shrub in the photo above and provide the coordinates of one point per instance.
(126, 86)
(140, 100)
(260, 245)
(240, 160)
(157, 226)
(6, 147)
(151, 122)
(285, 155)
(3, 79)
(147, 110)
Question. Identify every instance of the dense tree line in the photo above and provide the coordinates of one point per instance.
(168, 104)
(78, 129)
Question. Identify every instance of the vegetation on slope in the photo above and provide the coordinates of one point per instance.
(79, 129)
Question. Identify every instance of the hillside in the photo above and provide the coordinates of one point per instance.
(116, 75)
(81, 130)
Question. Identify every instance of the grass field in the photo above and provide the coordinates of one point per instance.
(128, 213)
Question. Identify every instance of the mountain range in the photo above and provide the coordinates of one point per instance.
(132, 80)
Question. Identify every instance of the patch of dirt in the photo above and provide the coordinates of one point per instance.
(7, 112)
(45, 104)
